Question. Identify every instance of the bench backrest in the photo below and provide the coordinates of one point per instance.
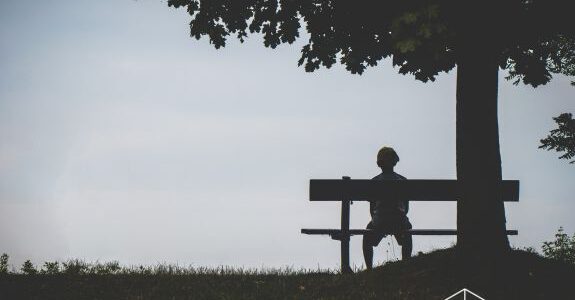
(412, 189)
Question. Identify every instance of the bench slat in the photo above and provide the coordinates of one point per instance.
(412, 231)
(413, 189)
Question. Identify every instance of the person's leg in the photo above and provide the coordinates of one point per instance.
(406, 239)
(407, 246)
(371, 240)
(367, 252)
(368, 247)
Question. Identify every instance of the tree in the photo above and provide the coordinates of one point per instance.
(562, 139)
(28, 268)
(562, 248)
(530, 38)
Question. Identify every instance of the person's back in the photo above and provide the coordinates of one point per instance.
(390, 206)
(389, 215)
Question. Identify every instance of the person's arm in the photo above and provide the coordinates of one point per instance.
(372, 202)
(406, 201)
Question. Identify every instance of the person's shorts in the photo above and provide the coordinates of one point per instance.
(381, 227)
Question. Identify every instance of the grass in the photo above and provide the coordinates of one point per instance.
(436, 275)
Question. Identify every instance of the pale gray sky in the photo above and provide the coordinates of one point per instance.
(124, 139)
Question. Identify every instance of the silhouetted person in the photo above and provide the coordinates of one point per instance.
(388, 216)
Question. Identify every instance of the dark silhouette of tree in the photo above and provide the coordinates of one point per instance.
(562, 248)
(562, 139)
(531, 39)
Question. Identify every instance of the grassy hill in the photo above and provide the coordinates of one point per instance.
(436, 275)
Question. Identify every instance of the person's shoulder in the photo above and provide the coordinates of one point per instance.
(389, 176)
(401, 177)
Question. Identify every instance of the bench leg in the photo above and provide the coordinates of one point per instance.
(345, 268)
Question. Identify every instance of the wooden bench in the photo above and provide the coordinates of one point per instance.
(347, 190)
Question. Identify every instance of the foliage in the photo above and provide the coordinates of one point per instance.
(531, 39)
(108, 268)
(79, 267)
(28, 268)
(50, 268)
(74, 267)
(562, 248)
(562, 139)
(4, 263)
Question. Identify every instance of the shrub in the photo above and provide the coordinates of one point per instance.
(75, 267)
(105, 269)
(562, 248)
(4, 264)
(28, 268)
(51, 268)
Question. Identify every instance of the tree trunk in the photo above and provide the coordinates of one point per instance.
(480, 211)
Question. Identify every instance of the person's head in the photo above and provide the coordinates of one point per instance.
(387, 158)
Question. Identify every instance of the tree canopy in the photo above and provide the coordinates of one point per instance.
(532, 39)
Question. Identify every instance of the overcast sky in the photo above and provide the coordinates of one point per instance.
(121, 138)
